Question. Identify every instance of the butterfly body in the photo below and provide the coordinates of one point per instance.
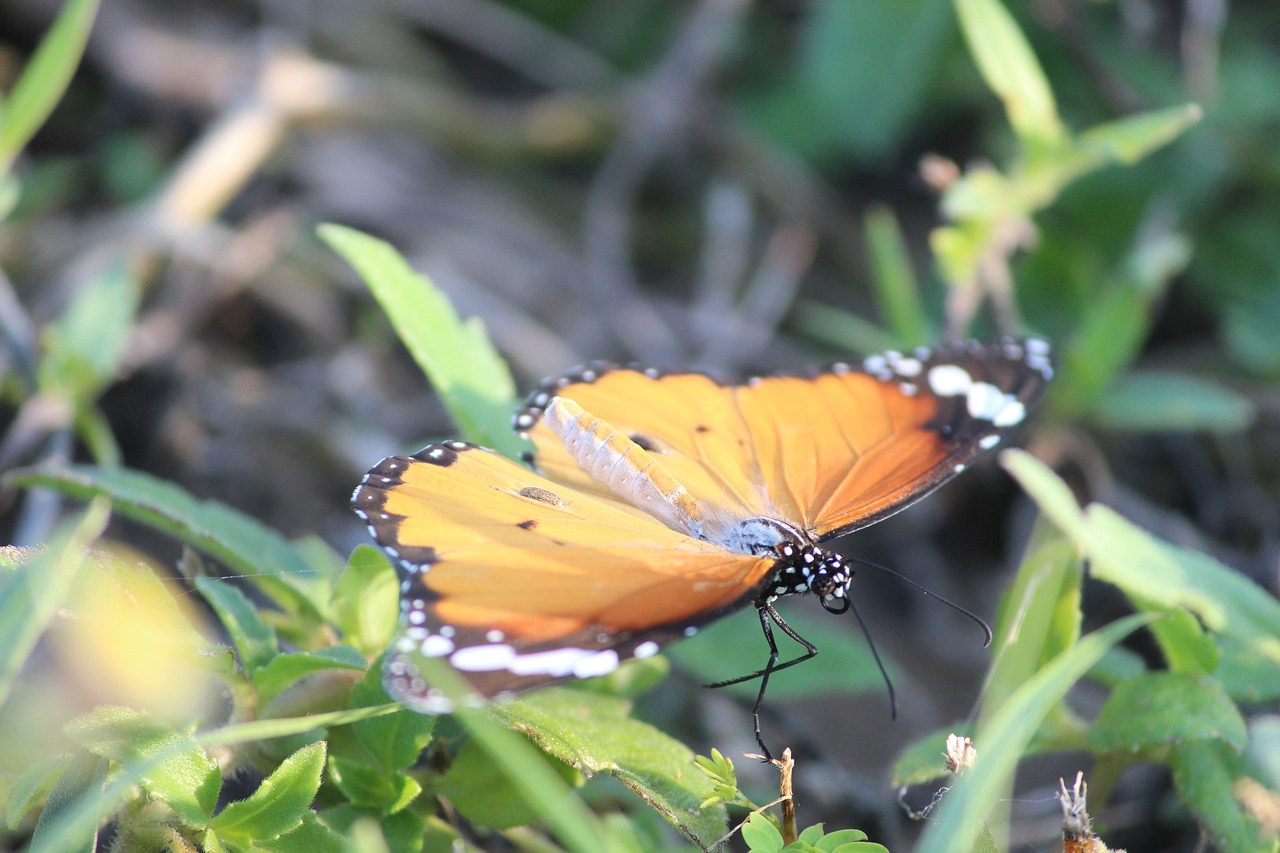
(659, 502)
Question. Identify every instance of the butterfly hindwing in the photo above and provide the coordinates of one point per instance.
(517, 580)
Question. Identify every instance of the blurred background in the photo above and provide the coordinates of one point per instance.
(725, 185)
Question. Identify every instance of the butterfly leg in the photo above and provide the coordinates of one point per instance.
(768, 617)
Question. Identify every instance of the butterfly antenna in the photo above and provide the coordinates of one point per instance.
(871, 644)
(986, 629)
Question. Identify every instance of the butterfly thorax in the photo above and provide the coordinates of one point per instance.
(802, 566)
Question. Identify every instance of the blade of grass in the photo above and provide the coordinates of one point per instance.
(1000, 743)
(44, 79)
(32, 594)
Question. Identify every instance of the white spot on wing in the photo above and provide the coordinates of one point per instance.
(483, 658)
(948, 380)
(436, 646)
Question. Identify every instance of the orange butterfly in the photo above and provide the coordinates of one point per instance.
(664, 501)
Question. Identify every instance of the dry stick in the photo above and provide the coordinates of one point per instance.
(786, 768)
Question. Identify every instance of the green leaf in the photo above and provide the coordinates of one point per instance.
(168, 763)
(1117, 665)
(280, 802)
(1187, 647)
(31, 595)
(1247, 676)
(897, 291)
(311, 836)
(366, 600)
(1048, 491)
(1011, 70)
(1039, 615)
(859, 847)
(811, 834)
(237, 541)
(837, 840)
(1127, 140)
(1151, 401)
(395, 740)
(1002, 740)
(1157, 576)
(595, 734)
(761, 835)
(457, 356)
(573, 824)
(387, 792)
(1204, 774)
(1264, 749)
(82, 348)
(45, 78)
(1162, 708)
(282, 671)
(1226, 601)
(69, 823)
(210, 842)
(483, 793)
(253, 638)
(33, 787)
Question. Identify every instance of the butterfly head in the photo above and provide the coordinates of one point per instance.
(807, 568)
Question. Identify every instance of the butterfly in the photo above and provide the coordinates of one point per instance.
(654, 503)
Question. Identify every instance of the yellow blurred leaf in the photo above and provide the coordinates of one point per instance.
(128, 640)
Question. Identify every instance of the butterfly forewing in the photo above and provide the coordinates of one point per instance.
(517, 580)
(689, 421)
(827, 452)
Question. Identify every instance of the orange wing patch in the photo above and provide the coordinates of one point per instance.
(828, 452)
(517, 580)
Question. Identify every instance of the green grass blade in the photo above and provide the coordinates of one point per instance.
(31, 594)
(1001, 742)
(44, 79)
(897, 290)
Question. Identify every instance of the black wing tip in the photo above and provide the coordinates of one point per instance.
(444, 453)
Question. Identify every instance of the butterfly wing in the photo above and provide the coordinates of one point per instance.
(519, 581)
(690, 422)
(828, 452)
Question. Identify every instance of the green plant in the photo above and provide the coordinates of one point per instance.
(305, 752)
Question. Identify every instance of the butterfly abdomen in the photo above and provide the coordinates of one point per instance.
(626, 467)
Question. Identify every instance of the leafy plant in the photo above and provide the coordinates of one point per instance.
(278, 736)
